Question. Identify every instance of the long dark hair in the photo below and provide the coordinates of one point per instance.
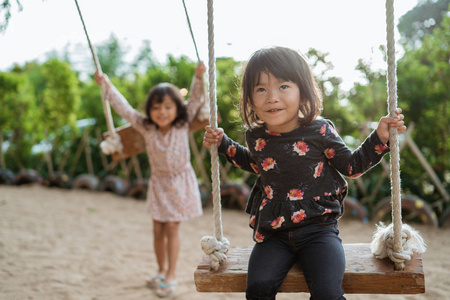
(156, 95)
(285, 64)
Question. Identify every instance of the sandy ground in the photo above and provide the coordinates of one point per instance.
(79, 244)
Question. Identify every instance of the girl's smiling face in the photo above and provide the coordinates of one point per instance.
(164, 113)
(277, 103)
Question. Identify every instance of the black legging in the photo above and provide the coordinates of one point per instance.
(318, 249)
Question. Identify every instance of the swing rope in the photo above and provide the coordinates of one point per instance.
(190, 29)
(203, 113)
(112, 143)
(397, 241)
(393, 134)
(215, 247)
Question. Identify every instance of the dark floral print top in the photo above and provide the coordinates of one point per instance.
(300, 179)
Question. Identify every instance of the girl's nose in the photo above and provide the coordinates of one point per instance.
(272, 97)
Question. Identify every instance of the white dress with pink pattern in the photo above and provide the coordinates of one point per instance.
(173, 193)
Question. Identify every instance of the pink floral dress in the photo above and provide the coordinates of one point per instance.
(173, 192)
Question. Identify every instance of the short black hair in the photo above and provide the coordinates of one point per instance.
(286, 64)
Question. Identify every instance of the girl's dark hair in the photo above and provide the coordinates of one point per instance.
(156, 95)
(285, 64)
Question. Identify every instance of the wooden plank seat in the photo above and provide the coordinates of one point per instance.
(364, 274)
(132, 141)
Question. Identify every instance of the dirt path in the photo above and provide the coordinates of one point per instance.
(85, 245)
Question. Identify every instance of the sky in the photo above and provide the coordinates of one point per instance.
(348, 30)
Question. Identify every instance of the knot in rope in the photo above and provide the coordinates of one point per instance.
(398, 256)
(215, 249)
(383, 244)
(111, 144)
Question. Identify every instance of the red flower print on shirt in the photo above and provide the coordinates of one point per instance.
(252, 221)
(295, 194)
(236, 164)
(272, 133)
(231, 151)
(263, 203)
(318, 169)
(379, 149)
(350, 171)
(268, 163)
(316, 198)
(327, 211)
(269, 191)
(329, 153)
(260, 144)
(323, 130)
(259, 237)
(301, 147)
(255, 168)
(277, 223)
(333, 131)
(355, 175)
(298, 216)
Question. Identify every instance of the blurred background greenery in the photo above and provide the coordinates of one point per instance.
(48, 109)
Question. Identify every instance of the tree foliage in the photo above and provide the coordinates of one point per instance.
(17, 120)
(333, 107)
(51, 96)
(424, 84)
(5, 10)
(110, 55)
(421, 21)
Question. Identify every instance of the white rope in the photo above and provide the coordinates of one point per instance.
(113, 142)
(396, 240)
(216, 246)
(383, 243)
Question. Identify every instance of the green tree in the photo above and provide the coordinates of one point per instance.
(370, 98)
(5, 10)
(110, 55)
(17, 118)
(421, 21)
(335, 106)
(144, 59)
(424, 82)
(58, 100)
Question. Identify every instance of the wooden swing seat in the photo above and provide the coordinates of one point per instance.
(132, 141)
(364, 274)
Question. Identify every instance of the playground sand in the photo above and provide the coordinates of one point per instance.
(79, 244)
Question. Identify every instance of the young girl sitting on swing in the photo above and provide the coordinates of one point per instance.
(299, 157)
(173, 193)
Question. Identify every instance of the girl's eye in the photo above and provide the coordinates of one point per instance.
(283, 87)
(260, 90)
